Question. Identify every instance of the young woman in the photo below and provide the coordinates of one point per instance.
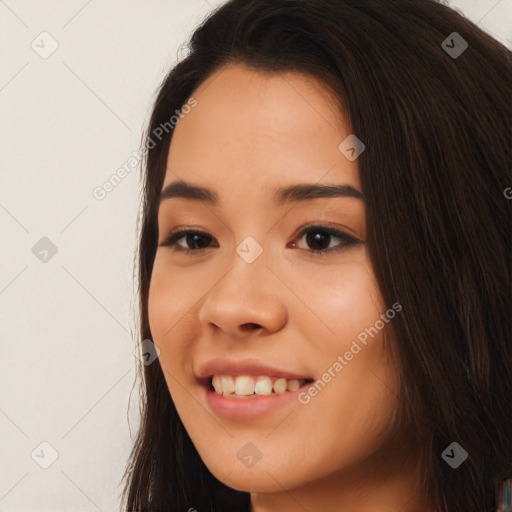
(324, 264)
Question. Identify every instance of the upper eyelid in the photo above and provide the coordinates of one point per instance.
(333, 229)
(185, 231)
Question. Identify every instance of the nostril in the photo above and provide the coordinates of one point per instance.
(249, 326)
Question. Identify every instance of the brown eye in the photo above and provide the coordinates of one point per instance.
(193, 240)
(319, 239)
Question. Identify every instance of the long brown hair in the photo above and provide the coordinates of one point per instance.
(437, 130)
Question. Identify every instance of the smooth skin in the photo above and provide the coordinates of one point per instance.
(250, 134)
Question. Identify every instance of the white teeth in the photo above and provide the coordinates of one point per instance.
(280, 386)
(293, 385)
(216, 382)
(244, 385)
(227, 385)
(263, 386)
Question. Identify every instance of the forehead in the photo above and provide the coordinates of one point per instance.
(252, 132)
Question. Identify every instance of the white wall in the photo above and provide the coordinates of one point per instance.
(67, 123)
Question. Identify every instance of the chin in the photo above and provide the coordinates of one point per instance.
(262, 480)
(265, 476)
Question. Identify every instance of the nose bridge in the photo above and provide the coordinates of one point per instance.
(250, 267)
(245, 294)
(249, 274)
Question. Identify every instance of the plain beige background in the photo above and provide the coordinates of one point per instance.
(77, 79)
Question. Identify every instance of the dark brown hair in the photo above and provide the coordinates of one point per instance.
(437, 130)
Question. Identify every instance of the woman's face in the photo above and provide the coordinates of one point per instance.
(250, 298)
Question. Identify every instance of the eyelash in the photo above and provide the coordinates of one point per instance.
(348, 241)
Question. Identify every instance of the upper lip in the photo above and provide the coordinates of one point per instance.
(251, 367)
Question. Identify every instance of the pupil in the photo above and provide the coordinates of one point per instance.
(192, 239)
(317, 239)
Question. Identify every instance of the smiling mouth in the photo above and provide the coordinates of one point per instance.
(248, 386)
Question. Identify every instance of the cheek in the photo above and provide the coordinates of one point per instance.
(158, 303)
(343, 300)
(168, 305)
(361, 396)
(166, 311)
(168, 300)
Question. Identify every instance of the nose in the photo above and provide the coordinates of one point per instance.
(249, 297)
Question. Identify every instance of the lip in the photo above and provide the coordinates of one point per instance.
(240, 409)
(251, 407)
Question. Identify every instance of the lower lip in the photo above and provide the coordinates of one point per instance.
(248, 408)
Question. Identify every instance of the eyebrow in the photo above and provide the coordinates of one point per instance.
(293, 194)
